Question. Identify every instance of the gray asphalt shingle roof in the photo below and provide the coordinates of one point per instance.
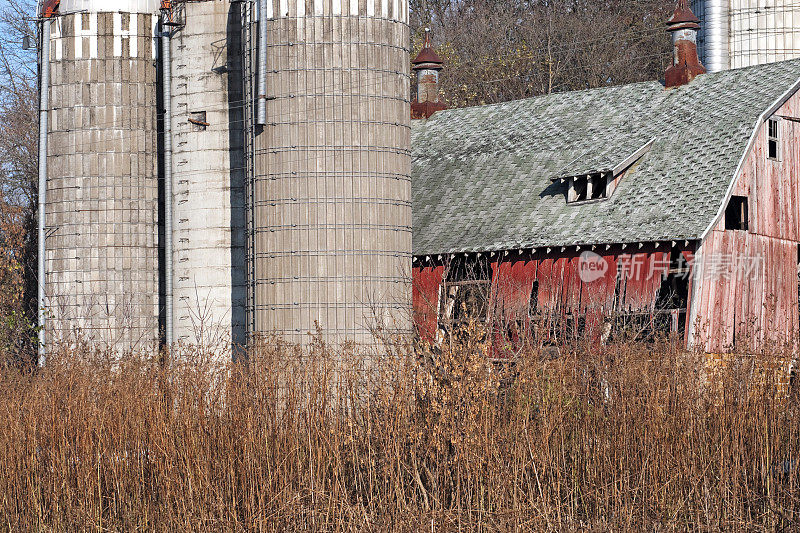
(481, 176)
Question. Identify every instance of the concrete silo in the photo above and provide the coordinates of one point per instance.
(331, 195)
(208, 175)
(101, 195)
(739, 33)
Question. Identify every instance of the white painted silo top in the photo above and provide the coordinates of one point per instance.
(116, 6)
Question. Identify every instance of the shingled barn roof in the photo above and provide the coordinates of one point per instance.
(483, 177)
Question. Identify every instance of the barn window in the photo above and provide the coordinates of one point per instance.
(464, 301)
(736, 214)
(577, 189)
(599, 184)
(465, 294)
(774, 139)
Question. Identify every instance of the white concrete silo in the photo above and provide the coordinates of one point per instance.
(101, 209)
(208, 176)
(331, 194)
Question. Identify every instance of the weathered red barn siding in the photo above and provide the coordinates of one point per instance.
(561, 287)
(561, 290)
(512, 283)
(743, 300)
(747, 285)
(425, 300)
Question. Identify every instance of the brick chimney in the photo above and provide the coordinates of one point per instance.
(427, 66)
(686, 66)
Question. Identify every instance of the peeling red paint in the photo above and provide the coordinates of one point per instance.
(425, 296)
(50, 8)
(623, 283)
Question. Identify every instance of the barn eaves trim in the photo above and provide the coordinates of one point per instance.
(599, 183)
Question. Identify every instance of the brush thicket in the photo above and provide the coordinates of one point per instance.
(629, 437)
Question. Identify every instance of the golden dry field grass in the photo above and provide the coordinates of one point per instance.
(624, 438)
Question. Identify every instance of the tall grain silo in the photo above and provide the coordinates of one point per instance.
(331, 194)
(209, 291)
(101, 196)
(739, 33)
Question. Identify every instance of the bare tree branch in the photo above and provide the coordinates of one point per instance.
(499, 50)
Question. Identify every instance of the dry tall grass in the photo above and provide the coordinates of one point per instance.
(630, 438)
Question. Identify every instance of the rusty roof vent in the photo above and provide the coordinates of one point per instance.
(48, 8)
(686, 66)
(427, 54)
(427, 65)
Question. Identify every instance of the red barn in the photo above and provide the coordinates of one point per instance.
(664, 206)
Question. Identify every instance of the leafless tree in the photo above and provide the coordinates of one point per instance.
(18, 104)
(499, 50)
(18, 167)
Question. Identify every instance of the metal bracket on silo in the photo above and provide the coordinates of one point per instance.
(250, 59)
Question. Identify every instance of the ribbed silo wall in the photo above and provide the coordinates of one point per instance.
(210, 290)
(102, 204)
(740, 33)
(332, 189)
(763, 31)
